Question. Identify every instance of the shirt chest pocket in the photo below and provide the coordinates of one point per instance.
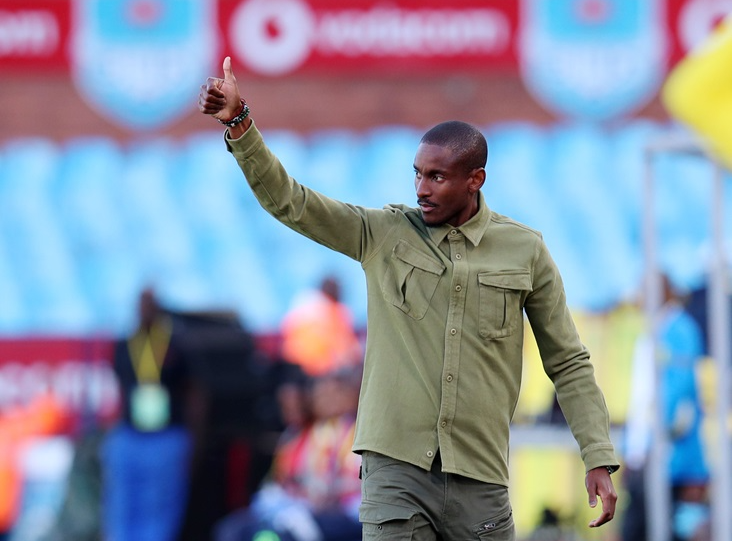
(411, 279)
(501, 301)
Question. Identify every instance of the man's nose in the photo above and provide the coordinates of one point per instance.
(422, 187)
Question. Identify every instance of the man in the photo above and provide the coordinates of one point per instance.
(318, 332)
(679, 350)
(448, 283)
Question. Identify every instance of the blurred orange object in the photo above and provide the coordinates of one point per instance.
(44, 416)
(698, 91)
(318, 333)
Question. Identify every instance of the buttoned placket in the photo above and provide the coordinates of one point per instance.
(453, 334)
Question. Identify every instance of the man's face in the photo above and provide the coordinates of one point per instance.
(445, 190)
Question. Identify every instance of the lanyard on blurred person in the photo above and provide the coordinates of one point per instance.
(149, 349)
(149, 400)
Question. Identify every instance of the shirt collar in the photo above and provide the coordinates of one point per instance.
(473, 229)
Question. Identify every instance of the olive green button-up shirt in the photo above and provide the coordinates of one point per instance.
(443, 360)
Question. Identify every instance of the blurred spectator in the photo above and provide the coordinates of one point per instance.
(145, 458)
(231, 413)
(691, 520)
(20, 426)
(79, 518)
(318, 332)
(679, 349)
(313, 490)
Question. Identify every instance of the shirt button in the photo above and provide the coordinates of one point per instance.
(449, 377)
(453, 332)
(430, 454)
(443, 424)
(458, 256)
(458, 287)
(453, 232)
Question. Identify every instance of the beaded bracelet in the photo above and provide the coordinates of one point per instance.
(239, 118)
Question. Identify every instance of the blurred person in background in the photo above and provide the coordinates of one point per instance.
(679, 349)
(146, 456)
(318, 332)
(312, 492)
(448, 284)
(26, 503)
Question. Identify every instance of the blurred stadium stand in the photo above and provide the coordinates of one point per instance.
(86, 224)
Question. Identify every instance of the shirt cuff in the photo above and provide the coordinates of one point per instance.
(600, 456)
(245, 145)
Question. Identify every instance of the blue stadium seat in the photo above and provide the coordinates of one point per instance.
(212, 191)
(683, 206)
(332, 162)
(49, 280)
(384, 172)
(626, 152)
(112, 281)
(185, 290)
(242, 280)
(84, 196)
(582, 180)
(39, 252)
(292, 150)
(154, 218)
(85, 225)
(13, 317)
(146, 186)
(28, 173)
(515, 183)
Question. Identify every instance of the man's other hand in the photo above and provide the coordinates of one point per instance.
(599, 483)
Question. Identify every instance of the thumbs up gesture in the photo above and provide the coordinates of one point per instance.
(220, 97)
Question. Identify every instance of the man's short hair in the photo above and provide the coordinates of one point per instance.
(464, 139)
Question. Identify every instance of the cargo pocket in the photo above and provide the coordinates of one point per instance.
(498, 528)
(411, 279)
(386, 522)
(501, 297)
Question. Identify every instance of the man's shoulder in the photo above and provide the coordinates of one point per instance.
(509, 225)
(410, 214)
(401, 208)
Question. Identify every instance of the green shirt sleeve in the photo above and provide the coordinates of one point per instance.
(349, 229)
(567, 363)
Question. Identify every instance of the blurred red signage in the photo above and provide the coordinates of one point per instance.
(282, 37)
(34, 34)
(77, 372)
(276, 37)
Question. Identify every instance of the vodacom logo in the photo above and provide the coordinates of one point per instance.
(272, 36)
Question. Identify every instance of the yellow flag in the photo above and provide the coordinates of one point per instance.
(698, 92)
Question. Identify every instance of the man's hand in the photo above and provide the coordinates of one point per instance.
(220, 97)
(598, 483)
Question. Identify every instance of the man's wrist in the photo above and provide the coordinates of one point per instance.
(240, 117)
(240, 129)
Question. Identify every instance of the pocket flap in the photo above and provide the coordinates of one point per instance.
(416, 258)
(378, 513)
(520, 280)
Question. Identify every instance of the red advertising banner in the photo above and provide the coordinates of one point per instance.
(34, 35)
(280, 37)
(77, 372)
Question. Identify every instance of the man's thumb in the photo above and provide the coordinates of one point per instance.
(228, 74)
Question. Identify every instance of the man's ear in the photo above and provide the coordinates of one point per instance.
(476, 179)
